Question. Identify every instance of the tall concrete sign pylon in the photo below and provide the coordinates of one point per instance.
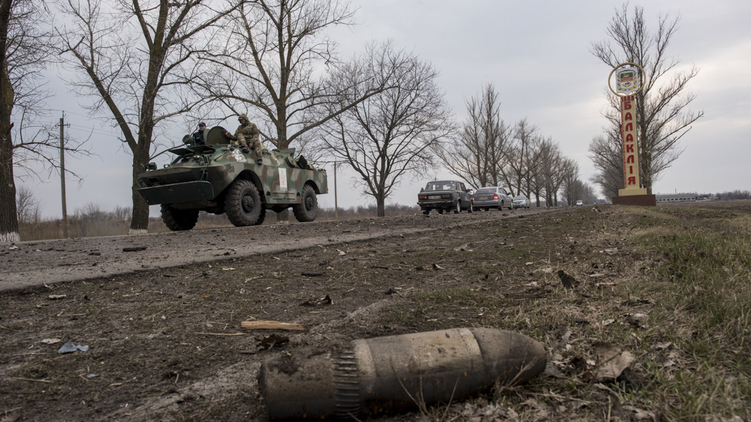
(629, 80)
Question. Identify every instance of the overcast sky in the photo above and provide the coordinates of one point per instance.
(536, 53)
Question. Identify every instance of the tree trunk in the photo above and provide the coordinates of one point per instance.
(139, 223)
(380, 202)
(282, 143)
(8, 215)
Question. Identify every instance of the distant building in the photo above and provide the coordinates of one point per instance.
(677, 197)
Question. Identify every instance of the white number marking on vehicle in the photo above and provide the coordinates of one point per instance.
(283, 179)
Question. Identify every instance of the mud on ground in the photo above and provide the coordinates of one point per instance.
(165, 342)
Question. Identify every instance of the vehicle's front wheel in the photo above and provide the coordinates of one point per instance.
(307, 209)
(177, 220)
(243, 203)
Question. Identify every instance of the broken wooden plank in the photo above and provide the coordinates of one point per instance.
(271, 325)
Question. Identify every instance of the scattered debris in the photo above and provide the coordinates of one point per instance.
(12, 248)
(271, 341)
(221, 334)
(271, 325)
(326, 300)
(56, 297)
(567, 281)
(134, 249)
(636, 414)
(612, 361)
(69, 347)
(637, 320)
(391, 291)
(437, 267)
(463, 248)
(310, 274)
(50, 341)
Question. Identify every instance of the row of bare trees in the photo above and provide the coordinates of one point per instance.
(490, 152)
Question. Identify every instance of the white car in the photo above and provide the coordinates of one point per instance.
(579, 203)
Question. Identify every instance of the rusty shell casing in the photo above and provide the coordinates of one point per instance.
(390, 374)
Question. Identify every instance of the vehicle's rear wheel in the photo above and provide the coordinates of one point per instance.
(243, 203)
(458, 207)
(440, 210)
(261, 218)
(426, 211)
(307, 209)
(471, 208)
(177, 220)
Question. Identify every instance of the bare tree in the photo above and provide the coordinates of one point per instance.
(522, 158)
(272, 63)
(550, 166)
(481, 150)
(28, 208)
(606, 153)
(662, 117)
(136, 58)
(392, 133)
(26, 148)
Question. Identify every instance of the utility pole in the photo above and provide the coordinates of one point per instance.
(336, 202)
(62, 175)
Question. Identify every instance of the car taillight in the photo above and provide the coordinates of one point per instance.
(422, 196)
(445, 196)
(495, 196)
(473, 197)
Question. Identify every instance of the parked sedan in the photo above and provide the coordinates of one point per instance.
(445, 195)
(521, 201)
(492, 197)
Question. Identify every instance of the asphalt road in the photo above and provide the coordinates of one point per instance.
(36, 263)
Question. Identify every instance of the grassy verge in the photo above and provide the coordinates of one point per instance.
(702, 279)
(669, 285)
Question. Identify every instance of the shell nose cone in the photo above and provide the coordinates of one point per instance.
(382, 374)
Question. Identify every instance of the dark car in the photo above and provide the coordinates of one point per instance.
(444, 195)
(492, 197)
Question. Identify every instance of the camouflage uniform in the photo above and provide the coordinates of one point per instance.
(247, 135)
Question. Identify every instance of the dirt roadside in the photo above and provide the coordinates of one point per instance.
(162, 324)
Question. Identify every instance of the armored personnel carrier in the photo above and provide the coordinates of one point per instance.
(219, 177)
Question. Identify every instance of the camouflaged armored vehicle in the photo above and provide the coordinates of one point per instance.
(219, 177)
